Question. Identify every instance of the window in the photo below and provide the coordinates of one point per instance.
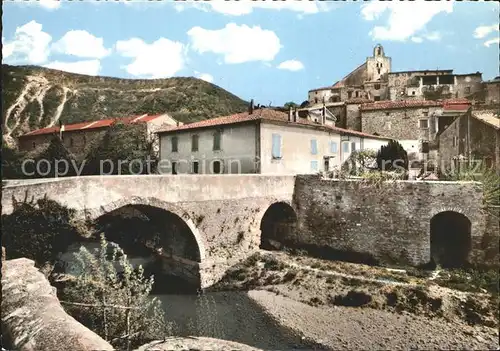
(33, 144)
(424, 123)
(345, 147)
(349, 94)
(388, 125)
(353, 146)
(316, 100)
(314, 147)
(217, 137)
(377, 86)
(357, 94)
(174, 167)
(174, 144)
(455, 141)
(467, 90)
(217, 167)
(70, 141)
(426, 113)
(84, 140)
(413, 93)
(276, 148)
(314, 166)
(333, 147)
(387, 113)
(194, 143)
(376, 98)
(195, 167)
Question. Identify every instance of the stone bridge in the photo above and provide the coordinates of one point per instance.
(220, 218)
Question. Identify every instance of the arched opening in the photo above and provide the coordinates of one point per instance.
(450, 239)
(277, 225)
(159, 240)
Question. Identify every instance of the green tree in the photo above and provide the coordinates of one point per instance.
(39, 230)
(110, 297)
(11, 163)
(123, 149)
(290, 104)
(392, 157)
(49, 160)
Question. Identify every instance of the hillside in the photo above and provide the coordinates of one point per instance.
(36, 97)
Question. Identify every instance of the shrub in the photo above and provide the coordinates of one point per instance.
(353, 298)
(112, 298)
(392, 157)
(39, 230)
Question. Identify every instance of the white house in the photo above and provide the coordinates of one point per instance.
(259, 141)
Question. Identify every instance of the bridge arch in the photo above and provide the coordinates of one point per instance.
(277, 224)
(450, 239)
(151, 202)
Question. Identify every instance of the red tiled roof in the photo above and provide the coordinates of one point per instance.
(456, 107)
(263, 115)
(386, 105)
(92, 125)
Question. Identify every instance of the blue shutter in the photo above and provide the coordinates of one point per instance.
(276, 152)
(333, 147)
(346, 147)
(314, 147)
(314, 166)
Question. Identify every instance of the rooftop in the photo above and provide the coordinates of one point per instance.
(490, 117)
(92, 125)
(386, 105)
(424, 71)
(265, 114)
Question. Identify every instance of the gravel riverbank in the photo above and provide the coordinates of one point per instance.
(371, 329)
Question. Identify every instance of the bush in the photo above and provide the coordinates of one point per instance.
(392, 157)
(112, 298)
(353, 298)
(39, 230)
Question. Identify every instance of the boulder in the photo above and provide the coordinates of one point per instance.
(32, 316)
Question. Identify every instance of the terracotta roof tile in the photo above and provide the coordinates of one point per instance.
(456, 107)
(263, 115)
(92, 125)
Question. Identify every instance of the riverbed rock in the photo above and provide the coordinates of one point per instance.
(195, 343)
(32, 316)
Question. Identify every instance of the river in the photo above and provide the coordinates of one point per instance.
(229, 315)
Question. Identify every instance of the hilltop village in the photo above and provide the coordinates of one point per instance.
(438, 116)
(264, 228)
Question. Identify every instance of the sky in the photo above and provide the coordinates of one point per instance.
(269, 51)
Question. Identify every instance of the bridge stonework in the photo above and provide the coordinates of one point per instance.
(224, 213)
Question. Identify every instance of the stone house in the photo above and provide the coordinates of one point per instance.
(414, 123)
(264, 141)
(77, 136)
(474, 135)
(492, 91)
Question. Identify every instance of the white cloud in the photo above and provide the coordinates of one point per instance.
(160, 59)
(30, 45)
(81, 43)
(433, 36)
(291, 65)
(417, 40)
(236, 43)
(483, 31)
(49, 4)
(491, 42)
(206, 77)
(245, 7)
(90, 67)
(405, 18)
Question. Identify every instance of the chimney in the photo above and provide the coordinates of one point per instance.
(177, 122)
(250, 108)
(290, 114)
(296, 115)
